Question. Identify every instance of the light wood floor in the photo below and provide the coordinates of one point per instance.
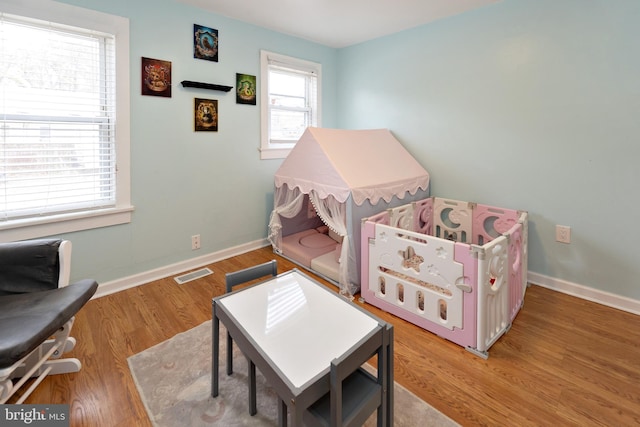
(565, 361)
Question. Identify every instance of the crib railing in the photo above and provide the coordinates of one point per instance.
(464, 291)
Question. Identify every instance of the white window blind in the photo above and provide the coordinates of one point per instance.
(57, 119)
(290, 101)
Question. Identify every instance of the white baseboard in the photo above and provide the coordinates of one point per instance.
(569, 288)
(118, 285)
(584, 292)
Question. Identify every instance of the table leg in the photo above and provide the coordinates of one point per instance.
(383, 379)
(296, 416)
(229, 354)
(390, 377)
(215, 355)
(253, 407)
(282, 413)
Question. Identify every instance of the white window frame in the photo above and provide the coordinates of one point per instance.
(269, 150)
(61, 13)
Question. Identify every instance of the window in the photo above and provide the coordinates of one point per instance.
(61, 129)
(290, 102)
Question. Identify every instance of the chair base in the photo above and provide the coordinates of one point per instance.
(44, 360)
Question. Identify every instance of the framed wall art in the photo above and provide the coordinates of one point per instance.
(205, 43)
(156, 77)
(245, 89)
(205, 112)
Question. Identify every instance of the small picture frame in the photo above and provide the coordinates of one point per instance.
(245, 89)
(156, 77)
(205, 43)
(205, 113)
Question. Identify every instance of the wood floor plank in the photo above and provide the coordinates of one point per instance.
(565, 361)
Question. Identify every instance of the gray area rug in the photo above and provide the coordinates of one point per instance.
(174, 381)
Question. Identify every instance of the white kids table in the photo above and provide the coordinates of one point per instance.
(291, 327)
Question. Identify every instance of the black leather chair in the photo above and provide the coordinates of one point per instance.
(37, 309)
(232, 280)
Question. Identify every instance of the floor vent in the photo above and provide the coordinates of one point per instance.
(184, 278)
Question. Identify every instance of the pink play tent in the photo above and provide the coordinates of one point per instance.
(330, 181)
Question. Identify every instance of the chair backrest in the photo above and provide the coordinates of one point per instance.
(251, 273)
(354, 392)
(34, 265)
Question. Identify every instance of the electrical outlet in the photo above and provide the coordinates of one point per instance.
(563, 234)
(195, 242)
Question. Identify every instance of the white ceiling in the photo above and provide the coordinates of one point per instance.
(338, 23)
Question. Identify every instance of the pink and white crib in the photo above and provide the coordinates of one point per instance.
(454, 268)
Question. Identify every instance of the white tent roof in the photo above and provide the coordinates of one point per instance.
(368, 164)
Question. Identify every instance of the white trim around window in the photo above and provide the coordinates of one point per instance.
(272, 147)
(60, 13)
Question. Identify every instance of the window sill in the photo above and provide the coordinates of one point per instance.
(274, 153)
(67, 223)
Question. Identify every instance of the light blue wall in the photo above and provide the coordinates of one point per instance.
(524, 104)
(183, 182)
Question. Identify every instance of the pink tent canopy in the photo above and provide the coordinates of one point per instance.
(368, 164)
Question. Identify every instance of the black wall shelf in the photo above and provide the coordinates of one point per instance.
(210, 86)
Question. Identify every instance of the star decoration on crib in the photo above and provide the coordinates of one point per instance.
(433, 270)
(441, 253)
(410, 259)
